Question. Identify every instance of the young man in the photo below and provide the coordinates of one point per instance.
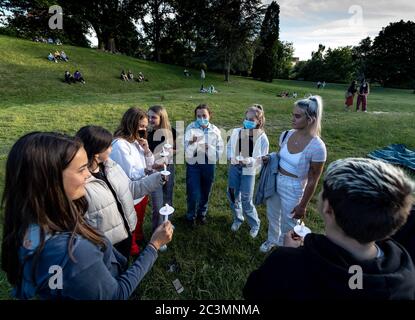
(362, 203)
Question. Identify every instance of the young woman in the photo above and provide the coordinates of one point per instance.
(48, 250)
(302, 157)
(110, 192)
(350, 93)
(245, 150)
(131, 151)
(161, 133)
(203, 147)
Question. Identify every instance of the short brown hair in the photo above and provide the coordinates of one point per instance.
(203, 106)
(371, 199)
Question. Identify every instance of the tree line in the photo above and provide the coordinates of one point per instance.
(230, 36)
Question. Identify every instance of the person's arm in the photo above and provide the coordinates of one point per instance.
(220, 146)
(121, 155)
(146, 185)
(314, 173)
(97, 283)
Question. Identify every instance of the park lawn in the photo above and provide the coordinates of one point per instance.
(214, 262)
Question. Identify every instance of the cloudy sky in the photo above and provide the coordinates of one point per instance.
(336, 23)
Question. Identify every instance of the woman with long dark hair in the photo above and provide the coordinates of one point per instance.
(131, 151)
(110, 192)
(48, 250)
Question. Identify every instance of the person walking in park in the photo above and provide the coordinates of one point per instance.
(350, 93)
(363, 92)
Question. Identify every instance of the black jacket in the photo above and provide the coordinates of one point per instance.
(320, 270)
(406, 235)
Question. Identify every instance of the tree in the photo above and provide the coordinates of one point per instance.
(392, 58)
(269, 49)
(339, 65)
(361, 55)
(284, 63)
(235, 23)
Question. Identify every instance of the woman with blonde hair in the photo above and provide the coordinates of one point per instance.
(161, 134)
(245, 150)
(302, 156)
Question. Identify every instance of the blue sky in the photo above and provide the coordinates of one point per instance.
(337, 23)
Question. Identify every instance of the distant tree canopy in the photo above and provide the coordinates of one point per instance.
(229, 36)
(389, 59)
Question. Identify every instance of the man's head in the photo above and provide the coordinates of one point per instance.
(367, 199)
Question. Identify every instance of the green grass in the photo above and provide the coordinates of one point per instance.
(214, 262)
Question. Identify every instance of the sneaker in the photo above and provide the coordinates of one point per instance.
(253, 232)
(202, 220)
(267, 246)
(163, 248)
(236, 225)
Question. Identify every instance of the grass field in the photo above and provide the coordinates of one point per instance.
(214, 262)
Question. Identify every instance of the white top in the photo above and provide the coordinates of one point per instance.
(261, 148)
(290, 161)
(130, 157)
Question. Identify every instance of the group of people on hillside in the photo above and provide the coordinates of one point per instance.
(129, 76)
(77, 77)
(56, 56)
(80, 202)
(286, 94)
(362, 91)
(49, 40)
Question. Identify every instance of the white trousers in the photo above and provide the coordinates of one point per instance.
(280, 205)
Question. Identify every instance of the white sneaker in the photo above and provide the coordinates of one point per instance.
(163, 248)
(236, 225)
(253, 232)
(267, 246)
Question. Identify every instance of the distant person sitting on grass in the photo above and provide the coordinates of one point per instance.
(363, 202)
(68, 77)
(186, 73)
(284, 94)
(124, 76)
(63, 56)
(78, 77)
(140, 77)
(57, 55)
(51, 57)
(130, 75)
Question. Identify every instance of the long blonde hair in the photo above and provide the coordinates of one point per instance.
(164, 117)
(313, 109)
(259, 114)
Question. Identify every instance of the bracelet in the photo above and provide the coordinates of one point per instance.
(151, 244)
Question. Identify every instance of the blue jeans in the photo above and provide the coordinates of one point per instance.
(240, 193)
(199, 181)
(163, 195)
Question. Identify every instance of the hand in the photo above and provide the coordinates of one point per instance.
(298, 212)
(158, 166)
(162, 235)
(144, 144)
(265, 159)
(292, 240)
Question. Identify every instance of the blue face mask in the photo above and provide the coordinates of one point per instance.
(249, 124)
(202, 122)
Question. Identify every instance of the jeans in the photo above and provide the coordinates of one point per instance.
(240, 194)
(199, 181)
(280, 205)
(163, 195)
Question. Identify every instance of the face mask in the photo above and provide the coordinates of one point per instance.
(142, 134)
(249, 124)
(202, 122)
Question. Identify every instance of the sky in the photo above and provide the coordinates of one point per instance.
(335, 23)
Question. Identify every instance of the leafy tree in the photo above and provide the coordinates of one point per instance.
(269, 49)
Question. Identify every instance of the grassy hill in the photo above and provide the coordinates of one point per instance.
(214, 262)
